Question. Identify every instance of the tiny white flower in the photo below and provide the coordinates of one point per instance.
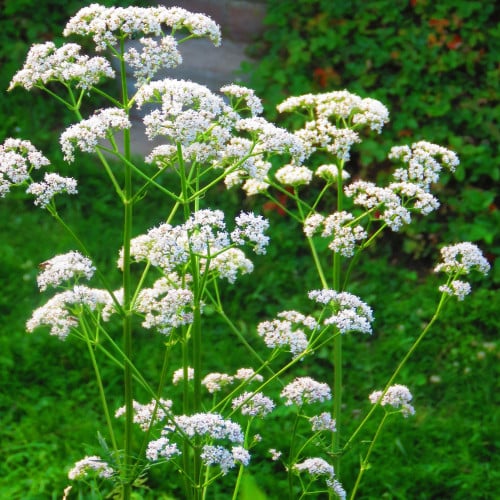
(86, 134)
(17, 159)
(215, 382)
(252, 102)
(397, 396)
(179, 375)
(64, 267)
(51, 185)
(323, 422)
(46, 63)
(88, 464)
(305, 390)
(143, 414)
(462, 258)
(293, 175)
(456, 288)
(248, 374)
(211, 425)
(256, 405)
(161, 448)
(316, 467)
(350, 313)
(424, 162)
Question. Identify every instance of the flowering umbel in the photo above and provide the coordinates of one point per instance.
(457, 261)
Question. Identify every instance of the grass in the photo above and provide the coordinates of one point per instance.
(50, 415)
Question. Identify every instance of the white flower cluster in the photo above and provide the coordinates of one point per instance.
(51, 185)
(209, 427)
(86, 134)
(203, 125)
(250, 228)
(330, 107)
(341, 104)
(246, 158)
(161, 448)
(152, 57)
(90, 464)
(60, 311)
(337, 488)
(17, 159)
(231, 263)
(457, 288)
(248, 374)
(165, 306)
(339, 226)
(315, 466)
(46, 63)
(178, 375)
(202, 128)
(320, 133)
(294, 175)
(225, 459)
(109, 25)
(459, 260)
(287, 331)
(323, 422)
(63, 268)
(423, 167)
(424, 202)
(205, 235)
(215, 382)
(462, 258)
(143, 414)
(397, 396)
(188, 111)
(393, 203)
(330, 172)
(251, 169)
(318, 467)
(305, 390)
(272, 139)
(253, 404)
(350, 313)
(239, 93)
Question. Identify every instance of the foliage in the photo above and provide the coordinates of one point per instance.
(434, 64)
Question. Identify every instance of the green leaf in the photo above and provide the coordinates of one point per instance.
(249, 489)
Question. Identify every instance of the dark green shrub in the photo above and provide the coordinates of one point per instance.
(434, 64)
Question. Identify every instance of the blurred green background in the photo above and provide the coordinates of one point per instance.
(435, 65)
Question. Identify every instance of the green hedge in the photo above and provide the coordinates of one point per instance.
(434, 64)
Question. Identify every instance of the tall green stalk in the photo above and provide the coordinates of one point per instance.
(127, 290)
(337, 344)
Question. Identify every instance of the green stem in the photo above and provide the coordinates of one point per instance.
(127, 289)
(83, 248)
(291, 458)
(317, 263)
(402, 363)
(337, 345)
(364, 464)
(100, 386)
(241, 467)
